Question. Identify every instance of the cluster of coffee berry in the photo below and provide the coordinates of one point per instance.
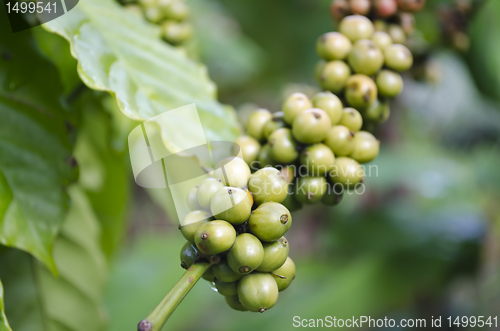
(169, 14)
(237, 220)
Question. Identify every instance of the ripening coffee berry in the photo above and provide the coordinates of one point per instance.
(340, 140)
(347, 172)
(378, 112)
(382, 39)
(189, 255)
(310, 190)
(361, 91)
(275, 254)
(284, 275)
(232, 171)
(275, 123)
(389, 83)
(407, 22)
(283, 146)
(192, 222)
(256, 123)
(176, 32)
(258, 292)
(192, 199)
(334, 76)
(270, 221)
(214, 237)
(206, 190)
(360, 7)
(265, 158)
(366, 58)
(356, 27)
(226, 289)
(397, 33)
(267, 184)
(311, 126)
(398, 57)
(232, 205)
(366, 147)
(246, 255)
(249, 147)
(385, 8)
(339, 9)
(330, 103)
(224, 273)
(351, 119)
(234, 302)
(295, 104)
(411, 5)
(287, 173)
(333, 46)
(318, 159)
(175, 10)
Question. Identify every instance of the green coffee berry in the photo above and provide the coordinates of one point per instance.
(330, 103)
(340, 140)
(266, 156)
(258, 292)
(226, 289)
(275, 254)
(333, 196)
(234, 302)
(291, 203)
(396, 33)
(318, 159)
(232, 171)
(206, 190)
(276, 122)
(249, 147)
(356, 27)
(176, 32)
(311, 126)
(318, 69)
(398, 57)
(176, 10)
(215, 237)
(267, 184)
(153, 14)
(380, 25)
(256, 123)
(361, 91)
(283, 146)
(189, 255)
(246, 255)
(378, 112)
(270, 221)
(333, 46)
(351, 119)
(295, 104)
(208, 275)
(334, 76)
(389, 83)
(347, 172)
(232, 205)
(366, 147)
(223, 272)
(192, 222)
(288, 173)
(192, 199)
(284, 275)
(309, 190)
(366, 58)
(382, 39)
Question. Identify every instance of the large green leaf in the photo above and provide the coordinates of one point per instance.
(121, 53)
(4, 324)
(36, 300)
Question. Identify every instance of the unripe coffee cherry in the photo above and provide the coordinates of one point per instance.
(347, 172)
(333, 46)
(318, 159)
(249, 146)
(284, 275)
(192, 199)
(397, 33)
(256, 122)
(232, 205)
(175, 10)
(361, 91)
(283, 146)
(153, 14)
(232, 171)
(275, 254)
(385, 8)
(192, 222)
(366, 147)
(330, 103)
(295, 104)
(267, 184)
(246, 255)
(351, 119)
(208, 275)
(258, 292)
(206, 190)
(356, 27)
(270, 221)
(215, 237)
(360, 7)
(378, 112)
(291, 203)
(318, 69)
(234, 302)
(334, 76)
(389, 83)
(366, 58)
(224, 273)
(275, 123)
(189, 255)
(339, 9)
(311, 126)
(398, 57)
(266, 156)
(382, 39)
(310, 190)
(340, 140)
(176, 32)
(411, 5)
(333, 196)
(226, 289)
